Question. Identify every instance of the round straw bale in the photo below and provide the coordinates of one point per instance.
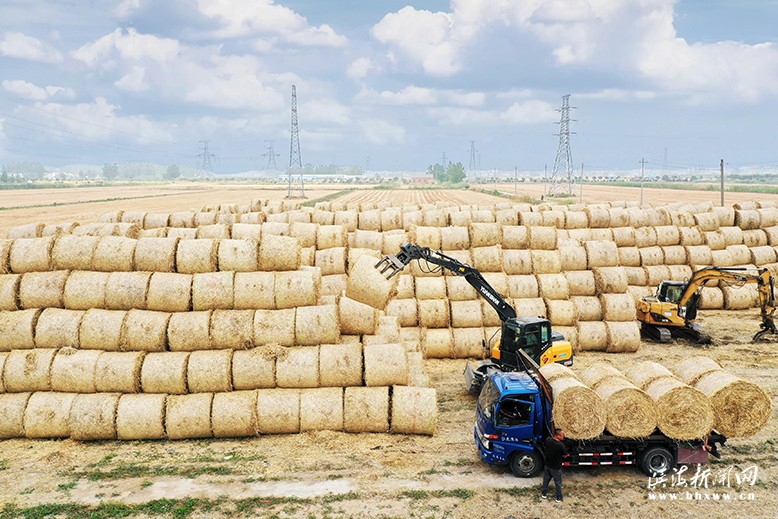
(588, 308)
(739, 298)
(624, 236)
(755, 238)
(42, 289)
(580, 235)
(434, 313)
(762, 255)
(525, 286)
(278, 411)
(414, 410)
(715, 240)
(17, 329)
(581, 282)
(636, 276)
(367, 240)
(181, 234)
(434, 218)
(385, 364)
(340, 365)
(3, 357)
(355, 254)
(619, 217)
(726, 215)
(699, 254)
(367, 285)
(712, 298)
(644, 373)
(348, 219)
(93, 416)
(610, 280)
(74, 370)
(274, 326)
(247, 231)
(597, 373)
(454, 238)
(196, 256)
(680, 272)
(141, 417)
(156, 220)
(405, 310)
(638, 293)
(768, 217)
(57, 328)
(646, 237)
(747, 219)
(561, 313)
(554, 371)
(369, 220)
(333, 285)
(741, 408)
(255, 368)
(741, 254)
(630, 412)
(127, 290)
(672, 255)
(578, 411)
(572, 258)
(304, 232)
(507, 216)
(542, 238)
(189, 331)
(656, 274)
(707, 221)
(47, 415)
(331, 261)
(298, 367)
(188, 416)
(321, 409)
(534, 307)
(691, 369)
(629, 256)
(683, 413)
(751, 205)
(466, 314)
(114, 253)
(209, 371)
(85, 290)
(623, 337)
(601, 253)
(182, 219)
(9, 291)
(732, 235)
(553, 286)
(458, 289)
(651, 256)
(592, 335)
(101, 329)
(144, 330)
(515, 262)
(426, 236)
(691, 236)
(234, 415)
(484, 214)
(12, 408)
(213, 290)
(514, 237)
(118, 371)
(30, 230)
(393, 240)
(111, 217)
(216, 231)
(170, 292)
(135, 217)
(317, 325)
(570, 335)
(683, 217)
(527, 218)
(254, 290)
(297, 288)
(658, 216)
(164, 372)
(154, 233)
(576, 220)
(437, 342)
(127, 230)
(667, 235)
(391, 218)
(468, 343)
(618, 307)
(485, 234)
(73, 252)
(279, 253)
(232, 329)
(356, 318)
(5, 252)
(430, 288)
(366, 409)
(598, 217)
(238, 255)
(411, 218)
(553, 219)
(546, 261)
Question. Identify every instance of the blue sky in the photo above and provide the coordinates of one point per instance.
(400, 82)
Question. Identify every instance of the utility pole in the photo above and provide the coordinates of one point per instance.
(271, 156)
(721, 166)
(472, 166)
(206, 156)
(642, 170)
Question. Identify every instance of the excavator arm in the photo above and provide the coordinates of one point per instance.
(394, 263)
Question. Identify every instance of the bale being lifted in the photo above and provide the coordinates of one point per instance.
(367, 285)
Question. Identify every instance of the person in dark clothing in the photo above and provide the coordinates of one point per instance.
(555, 450)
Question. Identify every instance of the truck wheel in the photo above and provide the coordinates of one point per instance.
(525, 464)
(657, 461)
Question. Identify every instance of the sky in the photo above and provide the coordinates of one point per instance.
(390, 86)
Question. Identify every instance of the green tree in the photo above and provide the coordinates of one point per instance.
(455, 172)
(173, 172)
(437, 172)
(4, 176)
(110, 171)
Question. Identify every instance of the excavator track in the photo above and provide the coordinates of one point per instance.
(692, 333)
(655, 333)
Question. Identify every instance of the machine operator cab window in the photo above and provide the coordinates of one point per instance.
(531, 334)
(670, 292)
(514, 413)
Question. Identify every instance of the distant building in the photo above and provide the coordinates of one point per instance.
(422, 180)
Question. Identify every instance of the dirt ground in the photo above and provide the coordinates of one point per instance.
(331, 474)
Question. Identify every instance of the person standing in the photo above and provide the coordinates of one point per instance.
(555, 450)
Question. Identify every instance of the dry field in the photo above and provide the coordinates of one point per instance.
(420, 196)
(377, 475)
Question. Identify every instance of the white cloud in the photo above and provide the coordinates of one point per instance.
(239, 18)
(18, 45)
(382, 132)
(134, 81)
(27, 90)
(616, 94)
(131, 46)
(529, 112)
(359, 68)
(327, 111)
(519, 113)
(466, 98)
(127, 7)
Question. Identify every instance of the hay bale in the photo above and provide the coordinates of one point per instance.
(297, 288)
(514, 237)
(93, 416)
(414, 410)
(651, 256)
(542, 238)
(255, 368)
(623, 337)
(699, 254)
(85, 290)
(466, 314)
(747, 219)
(683, 413)
(646, 372)
(30, 230)
(572, 258)
(667, 235)
(127, 290)
(636, 276)
(610, 280)
(164, 372)
(209, 371)
(581, 283)
(534, 307)
(369, 220)
(525, 286)
(517, 262)
(674, 255)
(455, 238)
(118, 371)
(405, 310)
(348, 219)
(232, 329)
(189, 331)
(691, 236)
(170, 292)
(101, 329)
(58, 328)
(215, 231)
(578, 411)
(485, 234)
(181, 234)
(434, 313)
(629, 256)
(426, 237)
(234, 415)
(554, 371)
(340, 365)
(12, 407)
(457, 288)
(73, 252)
(601, 253)
(321, 409)
(5, 251)
(247, 231)
(9, 291)
(144, 330)
(333, 286)
(213, 291)
(732, 235)
(197, 256)
(646, 237)
(561, 313)
(367, 285)
(73, 370)
(114, 254)
(274, 326)
(278, 411)
(17, 329)
(468, 343)
(331, 261)
(317, 325)
(254, 290)
(553, 286)
(437, 342)
(30, 255)
(47, 415)
(598, 217)
(624, 236)
(366, 409)
(298, 367)
(434, 218)
(740, 298)
(527, 218)
(42, 289)
(238, 255)
(182, 219)
(188, 416)
(356, 318)
(741, 408)
(618, 307)
(597, 373)
(755, 238)
(691, 369)
(712, 298)
(393, 241)
(391, 219)
(546, 261)
(587, 308)
(430, 288)
(385, 364)
(141, 417)
(763, 255)
(630, 412)
(741, 254)
(656, 274)
(592, 335)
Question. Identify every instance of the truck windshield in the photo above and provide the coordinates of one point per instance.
(488, 398)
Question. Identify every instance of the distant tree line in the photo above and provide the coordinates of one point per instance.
(454, 173)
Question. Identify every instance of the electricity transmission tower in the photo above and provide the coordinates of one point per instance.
(472, 165)
(271, 156)
(206, 156)
(562, 181)
(295, 161)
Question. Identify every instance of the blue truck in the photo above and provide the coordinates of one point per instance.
(513, 417)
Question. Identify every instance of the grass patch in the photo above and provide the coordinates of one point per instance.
(178, 508)
(460, 493)
(67, 487)
(132, 470)
(326, 198)
(3, 464)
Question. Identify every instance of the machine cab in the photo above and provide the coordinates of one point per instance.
(672, 292)
(531, 334)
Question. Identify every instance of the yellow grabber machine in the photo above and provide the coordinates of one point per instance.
(671, 313)
(532, 335)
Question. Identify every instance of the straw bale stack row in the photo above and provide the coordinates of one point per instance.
(105, 416)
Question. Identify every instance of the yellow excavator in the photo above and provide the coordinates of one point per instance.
(671, 313)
